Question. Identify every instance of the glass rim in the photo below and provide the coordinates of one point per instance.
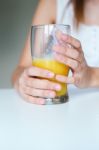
(48, 25)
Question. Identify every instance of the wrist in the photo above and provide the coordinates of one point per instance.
(94, 77)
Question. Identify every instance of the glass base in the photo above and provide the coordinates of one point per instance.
(57, 100)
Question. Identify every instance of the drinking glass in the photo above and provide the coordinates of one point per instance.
(43, 38)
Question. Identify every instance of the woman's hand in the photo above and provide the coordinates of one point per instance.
(33, 85)
(69, 52)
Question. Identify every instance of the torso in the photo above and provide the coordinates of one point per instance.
(88, 32)
(91, 12)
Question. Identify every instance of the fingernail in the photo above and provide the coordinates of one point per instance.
(50, 75)
(42, 101)
(57, 87)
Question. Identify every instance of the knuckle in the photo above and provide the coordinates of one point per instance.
(43, 93)
(29, 70)
(69, 52)
(21, 79)
(78, 55)
(67, 61)
(29, 82)
(78, 44)
(47, 84)
(72, 63)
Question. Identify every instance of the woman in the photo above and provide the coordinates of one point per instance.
(82, 57)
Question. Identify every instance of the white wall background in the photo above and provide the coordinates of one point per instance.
(15, 20)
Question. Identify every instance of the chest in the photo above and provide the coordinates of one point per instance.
(91, 14)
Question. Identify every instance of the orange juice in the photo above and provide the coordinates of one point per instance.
(56, 67)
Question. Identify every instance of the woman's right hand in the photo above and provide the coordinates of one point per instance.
(34, 85)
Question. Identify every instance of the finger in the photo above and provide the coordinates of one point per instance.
(34, 100)
(71, 40)
(38, 72)
(31, 99)
(42, 84)
(64, 79)
(39, 93)
(73, 64)
(69, 52)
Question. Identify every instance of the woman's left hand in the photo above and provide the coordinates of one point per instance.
(69, 51)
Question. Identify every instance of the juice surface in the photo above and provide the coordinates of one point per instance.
(56, 67)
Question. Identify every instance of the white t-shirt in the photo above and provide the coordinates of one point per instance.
(88, 35)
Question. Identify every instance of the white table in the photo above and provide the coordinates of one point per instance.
(70, 126)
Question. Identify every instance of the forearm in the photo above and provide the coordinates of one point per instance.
(94, 77)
